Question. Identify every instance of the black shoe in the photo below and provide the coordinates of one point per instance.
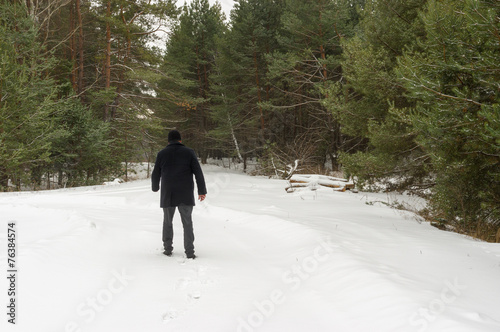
(192, 256)
(167, 253)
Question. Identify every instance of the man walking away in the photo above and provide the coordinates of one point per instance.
(175, 166)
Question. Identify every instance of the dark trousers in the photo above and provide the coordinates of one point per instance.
(187, 223)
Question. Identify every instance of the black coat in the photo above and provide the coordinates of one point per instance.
(175, 166)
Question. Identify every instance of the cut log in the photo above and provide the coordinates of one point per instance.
(313, 181)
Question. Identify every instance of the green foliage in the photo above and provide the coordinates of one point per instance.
(27, 96)
(455, 84)
(369, 86)
(403, 92)
(81, 150)
(421, 93)
(392, 25)
(306, 63)
(190, 64)
(44, 127)
(370, 102)
(240, 77)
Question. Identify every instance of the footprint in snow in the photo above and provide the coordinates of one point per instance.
(182, 283)
(194, 295)
(170, 315)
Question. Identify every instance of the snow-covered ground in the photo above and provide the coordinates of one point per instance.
(90, 259)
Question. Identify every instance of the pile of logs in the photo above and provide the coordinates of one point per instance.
(312, 181)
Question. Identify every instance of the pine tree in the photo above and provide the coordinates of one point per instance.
(454, 81)
(126, 70)
(370, 102)
(190, 62)
(307, 63)
(27, 96)
(99, 50)
(80, 149)
(242, 84)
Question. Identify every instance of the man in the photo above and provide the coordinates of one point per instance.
(175, 166)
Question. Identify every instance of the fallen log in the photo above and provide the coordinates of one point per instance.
(313, 181)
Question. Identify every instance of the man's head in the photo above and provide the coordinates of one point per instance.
(174, 136)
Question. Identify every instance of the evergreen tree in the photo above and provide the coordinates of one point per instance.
(190, 62)
(370, 102)
(126, 71)
(306, 64)
(454, 81)
(81, 150)
(99, 50)
(27, 95)
(242, 84)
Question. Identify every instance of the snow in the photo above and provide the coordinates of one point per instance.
(90, 259)
(312, 181)
(114, 182)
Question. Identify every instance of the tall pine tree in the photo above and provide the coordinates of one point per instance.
(190, 62)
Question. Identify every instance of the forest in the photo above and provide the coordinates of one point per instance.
(401, 95)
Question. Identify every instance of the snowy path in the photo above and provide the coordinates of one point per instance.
(90, 259)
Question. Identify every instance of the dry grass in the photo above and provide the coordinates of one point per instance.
(481, 230)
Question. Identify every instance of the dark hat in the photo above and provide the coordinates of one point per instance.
(174, 135)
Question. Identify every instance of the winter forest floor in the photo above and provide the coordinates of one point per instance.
(90, 259)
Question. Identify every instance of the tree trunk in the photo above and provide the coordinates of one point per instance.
(107, 67)
(259, 98)
(119, 89)
(72, 46)
(4, 179)
(235, 141)
(203, 93)
(321, 47)
(80, 46)
(60, 178)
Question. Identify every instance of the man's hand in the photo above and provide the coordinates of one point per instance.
(201, 197)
